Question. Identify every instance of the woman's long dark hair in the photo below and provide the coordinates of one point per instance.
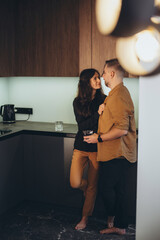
(84, 96)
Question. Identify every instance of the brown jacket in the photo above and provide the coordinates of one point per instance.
(118, 113)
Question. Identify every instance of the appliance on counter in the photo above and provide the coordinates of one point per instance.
(7, 111)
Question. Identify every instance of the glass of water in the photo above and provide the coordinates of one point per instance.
(87, 132)
(58, 126)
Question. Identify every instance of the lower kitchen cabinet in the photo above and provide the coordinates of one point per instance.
(29, 167)
(47, 161)
(37, 168)
(72, 197)
(11, 172)
(44, 168)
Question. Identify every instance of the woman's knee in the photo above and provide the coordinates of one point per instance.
(75, 184)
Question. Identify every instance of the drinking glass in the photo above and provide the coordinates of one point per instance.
(87, 132)
(58, 126)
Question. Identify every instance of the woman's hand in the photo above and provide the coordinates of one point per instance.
(91, 138)
(101, 109)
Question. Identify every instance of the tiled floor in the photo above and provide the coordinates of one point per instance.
(35, 221)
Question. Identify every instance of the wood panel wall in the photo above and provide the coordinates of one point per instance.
(85, 34)
(47, 38)
(51, 38)
(103, 47)
(7, 37)
(39, 38)
(94, 48)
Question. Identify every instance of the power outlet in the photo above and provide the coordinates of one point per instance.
(23, 110)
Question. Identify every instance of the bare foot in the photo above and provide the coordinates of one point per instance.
(82, 224)
(110, 222)
(120, 231)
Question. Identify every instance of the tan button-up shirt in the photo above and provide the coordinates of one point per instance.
(118, 113)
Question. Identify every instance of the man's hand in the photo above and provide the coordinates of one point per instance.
(101, 109)
(91, 138)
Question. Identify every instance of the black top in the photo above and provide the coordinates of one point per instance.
(87, 123)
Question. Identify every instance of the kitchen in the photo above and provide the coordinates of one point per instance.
(59, 87)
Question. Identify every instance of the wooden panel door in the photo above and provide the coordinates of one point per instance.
(47, 38)
(94, 48)
(103, 47)
(7, 38)
(48, 157)
(85, 34)
(11, 173)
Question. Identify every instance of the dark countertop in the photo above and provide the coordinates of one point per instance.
(38, 128)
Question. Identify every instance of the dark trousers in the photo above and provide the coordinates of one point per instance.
(113, 187)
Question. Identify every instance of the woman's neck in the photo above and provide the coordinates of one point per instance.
(93, 93)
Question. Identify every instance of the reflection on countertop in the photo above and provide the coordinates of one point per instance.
(4, 131)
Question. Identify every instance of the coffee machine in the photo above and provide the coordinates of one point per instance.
(7, 111)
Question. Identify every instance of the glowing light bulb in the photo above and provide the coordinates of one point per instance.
(142, 52)
(107, 14)
(156, 17)
(147, 47)
(157, 3)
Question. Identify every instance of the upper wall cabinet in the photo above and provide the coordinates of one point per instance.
(47, 38)
(39, 38)
(103, 47)
(94, 48)
(51, 38)
(7, 37)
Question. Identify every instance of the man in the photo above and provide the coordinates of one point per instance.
(116, 140)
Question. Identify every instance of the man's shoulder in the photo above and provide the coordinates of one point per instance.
(123, 92)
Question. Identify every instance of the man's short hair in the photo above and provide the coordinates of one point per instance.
(116, 65)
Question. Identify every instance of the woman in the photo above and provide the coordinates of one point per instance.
(88, 105)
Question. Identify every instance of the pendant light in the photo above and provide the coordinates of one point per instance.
(123, 18)
(156, 16)
(140, 54)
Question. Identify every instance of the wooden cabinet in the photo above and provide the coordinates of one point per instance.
(94, 47)
(39, 38)
(7, 38)
(47, 38)
(103, 47)
(51, 38)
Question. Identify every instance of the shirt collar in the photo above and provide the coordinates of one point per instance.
(115, 88)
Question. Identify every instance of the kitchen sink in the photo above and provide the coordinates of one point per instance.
(4, 131)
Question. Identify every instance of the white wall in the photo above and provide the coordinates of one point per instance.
(3, 92)
(148, 193)
(50, 97)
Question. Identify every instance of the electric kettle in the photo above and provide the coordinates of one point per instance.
(8, 113)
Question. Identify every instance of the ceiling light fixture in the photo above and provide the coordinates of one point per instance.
(107, 13)
(156, 15)
(123, 18)
(142, 52)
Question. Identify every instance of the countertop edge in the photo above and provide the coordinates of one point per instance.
(37, 128)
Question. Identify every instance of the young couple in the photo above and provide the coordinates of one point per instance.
(111, 119)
